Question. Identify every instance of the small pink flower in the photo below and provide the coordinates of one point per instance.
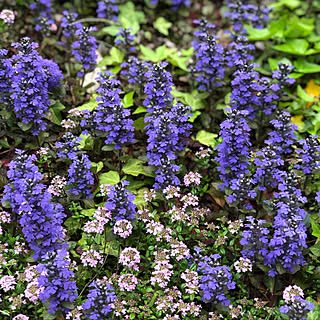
(192, 177)
(243, 265)
(91, 258)
(290, 292)
(123, 228)
(7, 283)
(53, 27)
(130, 257)
(21, 317)
(7, 16)
(127, 282)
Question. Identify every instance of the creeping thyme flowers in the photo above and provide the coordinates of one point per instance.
(7, 16)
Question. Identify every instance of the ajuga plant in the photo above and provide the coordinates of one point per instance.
(209, 58)
(109, 118)
(100, 299)
(166, 125)
(31, 102)
(44, 20)
(57, 281)
(80, 178)
(84, 49)
(135, 70)
(40, 218)
(125, 39)
(175, 3)
(108, 9)
(68, 23)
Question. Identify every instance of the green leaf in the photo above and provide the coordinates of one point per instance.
(139, 200)
(133, 167)
(111, 177)
(193, 99)
(162, 25)
(293, 46)
(130, 17)
(206, 138)
(112, 30)
(298, 27)
(140, 110)
(86, 143)
(315, 227)
(128, 100)
(291, 4)
(91, 105)
(55, 112)
(273, 63)
(316, 249)
(303, 95)
(154, 56)
(258, 34)
(116, 57)
(96, 167)
(139, 124)
(24, 126)
(304, 66)
(88, 212)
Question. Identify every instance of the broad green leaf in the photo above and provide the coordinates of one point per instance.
(130, 17)
(293, 46)
(273, 63)
(162, 25)
(86, 143)
(96, 167)
(178, 61)
(258, 34)
(91, 105)
(140, 110)
(303, 95)
(112, 30)
(139, 124)
(139, 200)
(111, 177)
(316, 249)
(133, 167)
(55, 112)
(88, 212)
(304, 66)
(193, 99)
(298, 27)
(315, 228)
(291, 4)
(116, 57)
(154, 56)
(128, 100)
(206, 138)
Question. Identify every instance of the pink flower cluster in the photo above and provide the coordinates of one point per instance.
(127, 282)
(192, 281)
(192, 177)
(235, 226)
(290, 292)
(149, 195)
(123, 228)
(4, 218)
(91, 258)
(75, 314)
(7, 16)
(101, 217)
(68, 124)
(7, 283)
(130, 257)
(243, 265)
(172, 192)
(178, 249)
(21, 317)
(203, 153)
(57, 185)
(158, 229)
(163, 269)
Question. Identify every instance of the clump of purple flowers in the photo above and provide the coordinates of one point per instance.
(68, 23)
(126, 39)
(80, 177)
(209, 59)
(44, 15)
(120, 202)
(166, 126)
(234, 150)
(101, 296)
(110, 117)
(215, 279)
(40, 219)
(31, 102)
(108, 9)
(85, 48)
(297, 309)
(57, 280)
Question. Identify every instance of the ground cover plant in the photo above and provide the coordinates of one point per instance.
(159, 159)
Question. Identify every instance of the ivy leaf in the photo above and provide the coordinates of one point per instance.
(116, 57)
(207, 138)
(162, 25)
(111, 177)
(315, 227)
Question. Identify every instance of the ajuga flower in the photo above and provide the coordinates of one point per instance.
(57, 280)
(297, 309)
(31, 101)
(110, 117)
(44, 20)
(234, 150)
(80, 177)
(126, 39)
(209, 59)
(6, 73)
(70, 146)
(101, 296)
(68, 23)
(85, 48)
(108, 9)
(240, 51)
(120, 202)
(40, 219)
